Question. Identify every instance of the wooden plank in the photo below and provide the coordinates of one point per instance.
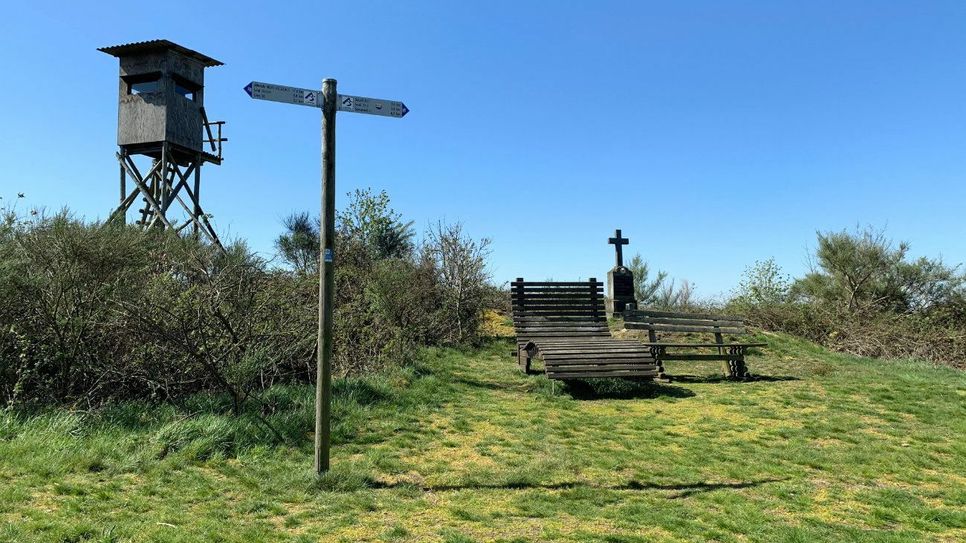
(589, 342)
(725, 356)
(597, 347)
(615, 373)
(563, 327)
(531, 331)
(648, 312)
(531, 284)
(551, 321)
(546, 335)
(601, 349)
(584, 297)
(564, 324)
(662, 344)
(697, 322)
(561, 358)
(551, 330)
(585, 354)
(534, 305)
(677, 328)
(522, 316)
(591, 367)
(549, 344)
(559, 304)
(605, 362)
(577, 319)
(532, 299)
(583, 314)
(538, 305)
(586, 332)
(553, 313)
(582, 293)
(564, 352)
(583, 287)
(563, 365)
(552, 333)
(540, 295)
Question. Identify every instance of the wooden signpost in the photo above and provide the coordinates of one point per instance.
(330, 102)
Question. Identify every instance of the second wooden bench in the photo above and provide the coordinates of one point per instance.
(720, 325)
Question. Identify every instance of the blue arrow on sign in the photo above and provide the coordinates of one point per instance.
(248, 89)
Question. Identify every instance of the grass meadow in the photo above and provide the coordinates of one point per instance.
(461, 447)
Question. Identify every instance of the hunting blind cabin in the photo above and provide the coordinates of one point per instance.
(161, 116)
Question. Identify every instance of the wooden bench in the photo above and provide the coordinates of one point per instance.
(719, 325)
(564, 324)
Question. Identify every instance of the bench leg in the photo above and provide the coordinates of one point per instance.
(737, 369)
(656, 353)
(743, 369)
(523, 360)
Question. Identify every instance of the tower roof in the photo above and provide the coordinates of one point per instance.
(126, 49)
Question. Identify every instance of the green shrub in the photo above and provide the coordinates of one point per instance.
(90, 312)
(864, 297)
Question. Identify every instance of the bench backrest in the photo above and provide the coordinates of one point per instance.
(668, 321)
(558, 309)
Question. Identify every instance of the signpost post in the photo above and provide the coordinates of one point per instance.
(330, 101)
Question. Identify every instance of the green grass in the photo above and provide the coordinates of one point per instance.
(463, 448)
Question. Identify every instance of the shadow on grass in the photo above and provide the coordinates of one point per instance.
(682, 490)
(622, 389)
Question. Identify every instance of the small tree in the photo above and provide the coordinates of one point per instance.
(369, 222)
(461, 264)
(299, 245)
(646, 290)
(763, 283)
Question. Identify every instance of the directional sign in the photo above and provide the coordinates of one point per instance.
(372, 106)
(281, 93)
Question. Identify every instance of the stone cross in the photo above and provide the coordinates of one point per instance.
(618, 242)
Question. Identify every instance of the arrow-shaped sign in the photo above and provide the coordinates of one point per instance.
(281, 93)
(372, 106)
(313, 98)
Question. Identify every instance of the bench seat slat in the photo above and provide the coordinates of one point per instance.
(578, 329)
(612, 373)
(723, 356)
(553, 295)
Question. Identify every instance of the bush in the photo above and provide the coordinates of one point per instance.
(91, 313)
(392, 295)
(863, 297)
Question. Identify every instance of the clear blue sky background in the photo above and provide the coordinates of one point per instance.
(713, 133)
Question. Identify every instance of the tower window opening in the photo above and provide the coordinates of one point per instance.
(143, 84)
(185, 88)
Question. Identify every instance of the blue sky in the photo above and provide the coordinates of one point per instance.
(713, 133)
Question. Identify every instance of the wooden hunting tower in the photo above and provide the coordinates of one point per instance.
(161, 115)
